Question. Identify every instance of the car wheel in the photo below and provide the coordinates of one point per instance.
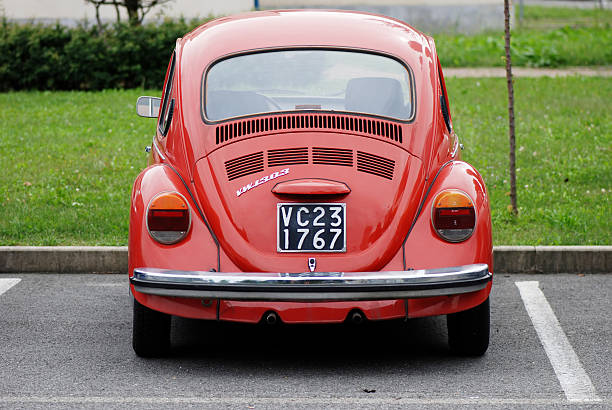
(468, 331)
(151, 332)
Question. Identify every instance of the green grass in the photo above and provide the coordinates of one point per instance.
(564, 146)
(547, 37)
(70, 159)
(538, 17)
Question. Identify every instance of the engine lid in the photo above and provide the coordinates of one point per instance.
(254, 189)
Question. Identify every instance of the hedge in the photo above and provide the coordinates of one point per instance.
(35, 56)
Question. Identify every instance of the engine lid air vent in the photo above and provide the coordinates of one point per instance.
(244, 165)
(287, 156)
(374, 164)
(366, 162)
(332, 156)
(358, 124)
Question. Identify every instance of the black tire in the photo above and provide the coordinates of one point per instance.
(468, 331)
(150, 332)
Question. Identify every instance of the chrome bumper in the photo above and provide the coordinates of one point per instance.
(312, 287)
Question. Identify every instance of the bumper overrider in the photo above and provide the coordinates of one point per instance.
(312, 286)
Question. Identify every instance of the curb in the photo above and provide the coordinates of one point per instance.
(64, 259)
(552, 259)
(114, 259)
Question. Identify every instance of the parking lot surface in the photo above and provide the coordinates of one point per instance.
(65, 341)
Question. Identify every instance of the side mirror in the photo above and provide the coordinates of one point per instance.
(148, 106)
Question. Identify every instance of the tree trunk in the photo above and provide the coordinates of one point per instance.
(97, 6)
(133, 7)
(136, 9)
(117, 12)
(513, 208)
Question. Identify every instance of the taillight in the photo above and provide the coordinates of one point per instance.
(168, 217)
(453, 215)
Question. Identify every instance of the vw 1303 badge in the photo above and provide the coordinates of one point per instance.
(262, 180)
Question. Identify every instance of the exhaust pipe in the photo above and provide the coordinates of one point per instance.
(271, 318)
(357, 318)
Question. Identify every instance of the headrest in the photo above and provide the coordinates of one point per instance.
(376, 95)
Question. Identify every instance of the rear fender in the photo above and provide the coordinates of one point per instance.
(424, 249)
(198, 250)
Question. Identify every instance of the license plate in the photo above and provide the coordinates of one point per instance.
(311, 227)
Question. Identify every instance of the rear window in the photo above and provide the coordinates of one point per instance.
(308, 80)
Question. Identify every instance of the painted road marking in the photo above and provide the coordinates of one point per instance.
(280, 401)
(6, 284)
(575, 382)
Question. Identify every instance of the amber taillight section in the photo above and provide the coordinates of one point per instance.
(453, 215)
(168, 218)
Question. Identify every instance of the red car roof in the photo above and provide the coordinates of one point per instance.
(295, 28)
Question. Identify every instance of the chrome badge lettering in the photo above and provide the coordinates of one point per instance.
(262, 180)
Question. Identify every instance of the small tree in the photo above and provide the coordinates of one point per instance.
(136, 9)
(513, 208)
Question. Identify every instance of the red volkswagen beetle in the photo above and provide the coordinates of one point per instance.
(305, 170)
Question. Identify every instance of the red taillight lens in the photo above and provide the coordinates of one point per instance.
(168, 218)
(453, 215)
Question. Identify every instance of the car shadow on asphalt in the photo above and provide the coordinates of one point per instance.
(310, 345)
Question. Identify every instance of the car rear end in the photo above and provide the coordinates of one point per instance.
(314, 196)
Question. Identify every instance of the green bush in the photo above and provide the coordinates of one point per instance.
(38, 57)
(86, 58)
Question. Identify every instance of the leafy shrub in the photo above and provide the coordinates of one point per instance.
(86, 58)
(119, 56)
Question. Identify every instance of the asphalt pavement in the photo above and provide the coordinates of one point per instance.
(65, 341)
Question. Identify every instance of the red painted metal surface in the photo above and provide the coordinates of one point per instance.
(388, 219)
(311, 186)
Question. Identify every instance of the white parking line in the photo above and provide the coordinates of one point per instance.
(575, 382)
(367, 402)
(6, 284)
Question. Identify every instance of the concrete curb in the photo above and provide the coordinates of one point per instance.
(552, 259)
(114, 259)
(64, 259)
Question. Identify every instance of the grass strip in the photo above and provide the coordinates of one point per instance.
(547, 37)
(70, 159)
(564, 145)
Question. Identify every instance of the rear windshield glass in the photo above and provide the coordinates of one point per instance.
(294, 80)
